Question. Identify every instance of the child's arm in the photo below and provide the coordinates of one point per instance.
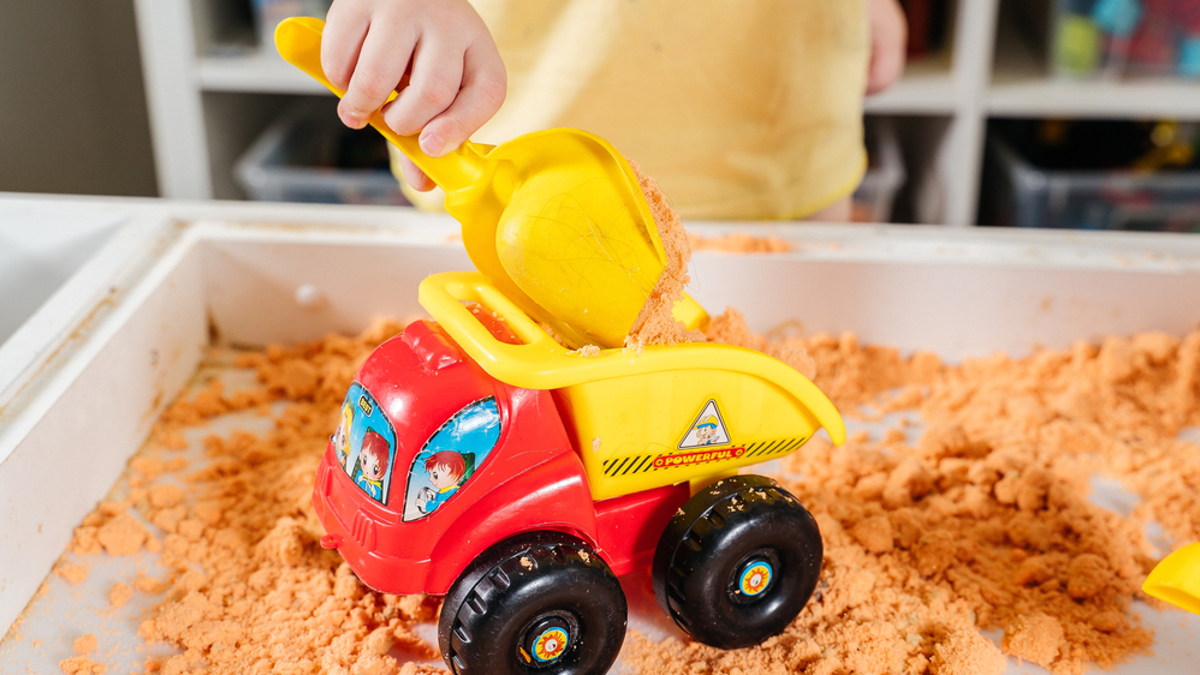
(889, 38)
(438, 55)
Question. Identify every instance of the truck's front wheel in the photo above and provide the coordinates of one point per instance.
(738, 562)
(541, 604)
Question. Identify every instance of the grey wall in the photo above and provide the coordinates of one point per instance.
(72, 106)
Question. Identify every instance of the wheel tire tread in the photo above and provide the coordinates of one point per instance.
(492, 588)
(684, 550)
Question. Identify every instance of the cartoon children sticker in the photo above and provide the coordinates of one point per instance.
(364, 443)
(341, 437)
(706, 431)
(372, 464)
(447, 472)
(450, 459)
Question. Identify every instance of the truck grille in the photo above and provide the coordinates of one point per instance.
(363, 531)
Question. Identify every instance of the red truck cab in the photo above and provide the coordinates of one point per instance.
(464, 461)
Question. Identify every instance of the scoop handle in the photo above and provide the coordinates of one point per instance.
(298, 40)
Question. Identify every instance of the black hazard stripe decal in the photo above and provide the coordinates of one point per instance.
(780, 446)
(623, 466)
(637, 464)
(772, 448)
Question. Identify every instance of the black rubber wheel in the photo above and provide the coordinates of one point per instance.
(738, 562)
(538, 604)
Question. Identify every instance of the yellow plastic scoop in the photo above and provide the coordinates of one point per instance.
(555, 219)
(1176, 579)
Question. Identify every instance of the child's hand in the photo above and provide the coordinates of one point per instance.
(438, 55)
(889, 38)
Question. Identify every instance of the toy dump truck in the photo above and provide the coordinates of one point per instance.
(479, 460)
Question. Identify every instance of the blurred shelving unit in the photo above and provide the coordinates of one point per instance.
(1021, 87)
(211, 91)
(254, 72)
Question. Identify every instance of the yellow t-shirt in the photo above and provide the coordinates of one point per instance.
(741, 109)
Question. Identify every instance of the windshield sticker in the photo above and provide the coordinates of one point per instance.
(451, 457)
(365, 443)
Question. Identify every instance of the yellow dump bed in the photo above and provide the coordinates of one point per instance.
(644, 419)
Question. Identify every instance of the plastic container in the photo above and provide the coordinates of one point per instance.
(1027, 196)
(127, 345)
(38, 254)
(885, 173)
(308, 156)
(1113, 38)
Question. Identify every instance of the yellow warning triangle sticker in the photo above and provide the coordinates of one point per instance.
(708, 429)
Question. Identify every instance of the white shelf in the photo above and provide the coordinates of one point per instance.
(1041, 96)
(259, 71)
(927, 87)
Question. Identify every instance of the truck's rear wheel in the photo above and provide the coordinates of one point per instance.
(541, 604)
(738, 562)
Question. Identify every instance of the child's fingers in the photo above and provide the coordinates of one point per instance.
(345, 28)
(415, 178)
(889, 36)
(483, 89)
(384, 57)
(887, 65)
(437, 74)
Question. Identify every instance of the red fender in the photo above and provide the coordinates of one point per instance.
(553, 495)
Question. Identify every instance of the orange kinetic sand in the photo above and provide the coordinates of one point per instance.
(74, 574)
(981, 523)
(738, 242)
(84, 644)
(82, 665)
(655, 325)
(119, 594)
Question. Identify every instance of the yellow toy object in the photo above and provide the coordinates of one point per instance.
(637, 416)
(1176, 579)
(555, 219)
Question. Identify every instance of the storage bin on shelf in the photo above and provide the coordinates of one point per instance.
(1024, 195)
(268, 14)
(308, 156)
(1112, 38)
(885, 173)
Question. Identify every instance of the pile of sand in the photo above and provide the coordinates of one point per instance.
(983, 522)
